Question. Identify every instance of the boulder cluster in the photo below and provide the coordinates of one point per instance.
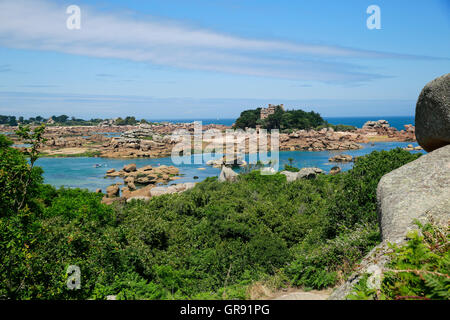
(136, 148)
(376, 124)
(382, 128)
(325, 139)
(142, 183)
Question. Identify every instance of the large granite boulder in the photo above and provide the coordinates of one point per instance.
(419, 190)
(433, 114)
(413, 191)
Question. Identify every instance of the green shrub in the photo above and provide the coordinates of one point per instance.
(355, 199)
(209, 242)
(418, 270)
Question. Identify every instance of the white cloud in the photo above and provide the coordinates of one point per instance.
(41, 25)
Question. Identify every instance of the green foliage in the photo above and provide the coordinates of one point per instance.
(283, 120)
(337, 127)
(248, 118)
(19, 185)
(9, 120)
(210, 242)
(418, 270)
(322, 266)
(293, 119)
(290, 168)
(128, 121)
(19, 180)
(356, 200)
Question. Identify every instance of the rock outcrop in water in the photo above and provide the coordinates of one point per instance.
(376, 124)
(341, 158)
(433, 114)
(146, 178)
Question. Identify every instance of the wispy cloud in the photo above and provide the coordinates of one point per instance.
(105, 75)
(5, 68)
(38, 86)
(41, 25)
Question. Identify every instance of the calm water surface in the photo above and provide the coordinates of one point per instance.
(81, 172)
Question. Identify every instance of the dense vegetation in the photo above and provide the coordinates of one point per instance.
(214, 241)
(418, 270)
(63, 120)
(286, 120)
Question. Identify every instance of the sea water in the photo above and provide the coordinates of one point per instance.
(80, 172)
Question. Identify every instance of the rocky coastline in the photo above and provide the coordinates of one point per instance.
(155, 140)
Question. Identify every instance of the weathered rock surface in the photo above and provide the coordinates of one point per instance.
(411, 191)
(129, 168)
(158, 191)
(112, 191)
(419, 190)
(433, 114)
(304, 173)
(309, 173)
(341, 158)
(290, 176)
(376, 124)
(335, 170)
(374, 262)
(227, 174)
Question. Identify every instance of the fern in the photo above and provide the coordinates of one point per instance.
(418, 270)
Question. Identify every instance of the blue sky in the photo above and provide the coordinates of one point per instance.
(212, 59)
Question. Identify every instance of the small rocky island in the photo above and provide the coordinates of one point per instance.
(142, 183)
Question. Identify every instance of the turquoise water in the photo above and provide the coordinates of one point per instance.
(81, 173)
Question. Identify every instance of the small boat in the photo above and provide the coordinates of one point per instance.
(97, 165)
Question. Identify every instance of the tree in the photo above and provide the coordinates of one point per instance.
(248, 118)
(12, 121)
(19, 185)
(61, 119)
(280, 119)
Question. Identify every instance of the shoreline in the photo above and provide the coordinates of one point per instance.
(92, 153)
(156, 140)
